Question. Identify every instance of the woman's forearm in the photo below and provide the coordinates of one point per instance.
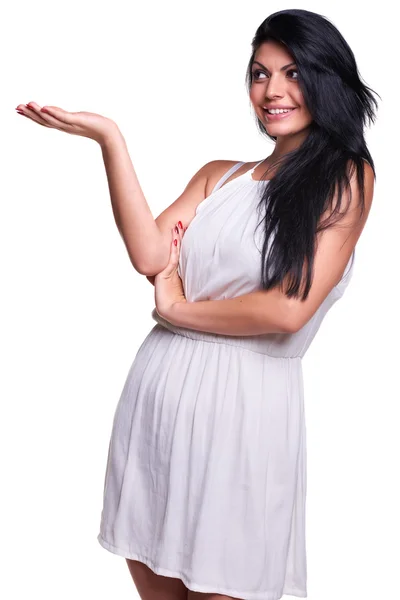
(132, 214)
(256, 313)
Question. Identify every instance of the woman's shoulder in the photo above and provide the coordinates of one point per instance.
(227, 164)
(217, 169)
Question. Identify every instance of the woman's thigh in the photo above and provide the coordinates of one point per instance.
(151, 586)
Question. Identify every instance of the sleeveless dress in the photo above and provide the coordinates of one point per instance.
(206, 471)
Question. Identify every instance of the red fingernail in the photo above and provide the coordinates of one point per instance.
(44, 110)
(180, 224)
(175, 242)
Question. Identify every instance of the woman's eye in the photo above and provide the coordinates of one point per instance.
(255, 73)
(293, 71)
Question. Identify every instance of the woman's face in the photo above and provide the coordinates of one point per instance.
(274, 84)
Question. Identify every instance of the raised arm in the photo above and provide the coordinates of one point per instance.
(132, 214)
(147, 240)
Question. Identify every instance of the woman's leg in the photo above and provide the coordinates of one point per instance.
(151, 586)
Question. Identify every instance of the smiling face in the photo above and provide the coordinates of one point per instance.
(274, 84)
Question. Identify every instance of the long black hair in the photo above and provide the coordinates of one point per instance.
(308, 178)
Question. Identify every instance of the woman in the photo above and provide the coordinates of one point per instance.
(205, 484)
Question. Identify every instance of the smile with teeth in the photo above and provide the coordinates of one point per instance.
(278, 111)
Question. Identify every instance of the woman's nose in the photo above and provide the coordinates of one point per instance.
(275, 89)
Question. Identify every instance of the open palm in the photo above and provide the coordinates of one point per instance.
(85, 124)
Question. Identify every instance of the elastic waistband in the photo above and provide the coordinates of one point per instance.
(255, 343)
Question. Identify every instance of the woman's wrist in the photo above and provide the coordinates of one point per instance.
(111, 136)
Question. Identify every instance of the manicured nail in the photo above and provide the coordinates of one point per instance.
(180, 224)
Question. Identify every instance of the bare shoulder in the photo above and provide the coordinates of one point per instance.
(369, 175)
(217, 168)
(369, 178)
(369, 184)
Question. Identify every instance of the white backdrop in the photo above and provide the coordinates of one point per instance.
(74, 311)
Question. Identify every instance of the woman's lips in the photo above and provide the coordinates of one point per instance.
(278, 116)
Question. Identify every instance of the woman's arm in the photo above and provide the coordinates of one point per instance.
(256, 313)
(148, 240)
(132, 214)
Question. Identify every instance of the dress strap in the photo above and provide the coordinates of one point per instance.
(255, 167)
(227, 174)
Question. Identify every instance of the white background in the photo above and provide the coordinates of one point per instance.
(74, 311)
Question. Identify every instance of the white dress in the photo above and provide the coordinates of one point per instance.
(206, 470)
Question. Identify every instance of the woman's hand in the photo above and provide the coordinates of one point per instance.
(85, 124)
(168, 288)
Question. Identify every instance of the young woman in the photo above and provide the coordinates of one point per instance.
(205, 484)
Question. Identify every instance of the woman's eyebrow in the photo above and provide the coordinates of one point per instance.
(281, 69)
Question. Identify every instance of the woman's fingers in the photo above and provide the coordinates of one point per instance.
(55, 112)
(179, 230)
(86, 124)
(48, 116)
(33, 115)
(33, 105)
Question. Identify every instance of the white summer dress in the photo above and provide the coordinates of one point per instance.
(206, 470)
